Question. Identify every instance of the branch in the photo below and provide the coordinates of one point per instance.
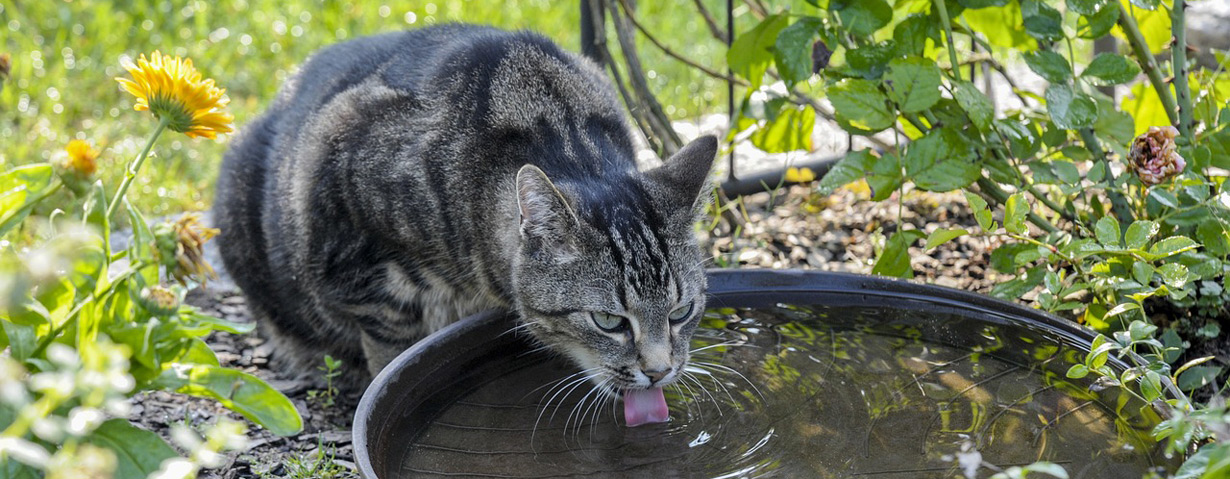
(1147, 62)
(658, 121)
(713, 26)
(634, 108)
(671, 53)
(1179, 64)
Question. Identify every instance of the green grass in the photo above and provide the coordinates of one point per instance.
(65, 54)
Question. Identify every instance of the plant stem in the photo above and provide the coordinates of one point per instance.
(1147, 63)
(952, 48)
(1179, 64)
(1118, 203)
(133, 168)
(1000, 196)
(76, 311)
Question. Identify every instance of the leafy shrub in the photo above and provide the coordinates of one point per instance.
(1104, 212)
(86, 323)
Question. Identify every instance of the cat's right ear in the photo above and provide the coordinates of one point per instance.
(547, 223)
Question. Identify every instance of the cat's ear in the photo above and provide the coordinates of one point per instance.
(548, 224)
(687, 170)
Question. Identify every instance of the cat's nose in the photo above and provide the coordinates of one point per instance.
(656, 375)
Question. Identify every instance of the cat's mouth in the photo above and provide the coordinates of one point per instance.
(645, 406)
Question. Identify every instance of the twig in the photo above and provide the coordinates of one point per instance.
(1178, 50)
(671, 53)
(657, 119)
(952, 48)
(713, 26)
(801, 99)
(1147, 62)
(634, 107)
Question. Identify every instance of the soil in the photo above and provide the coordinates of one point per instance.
(791, 228)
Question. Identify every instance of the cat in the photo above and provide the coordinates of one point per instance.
(400, 182)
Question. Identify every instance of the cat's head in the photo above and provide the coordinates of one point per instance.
(609, 273)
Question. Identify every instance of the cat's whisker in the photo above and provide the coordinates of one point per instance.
(608, 395)
(600, 389)
(687, 376)
(519, 328)
(701, 366)
(680, 386)
(710, 376)
(547, 404)
(718, 345)
(578, 411)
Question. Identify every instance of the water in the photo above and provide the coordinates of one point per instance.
(803, 391)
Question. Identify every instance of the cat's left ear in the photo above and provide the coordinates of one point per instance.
(686, 172)
(548, 224)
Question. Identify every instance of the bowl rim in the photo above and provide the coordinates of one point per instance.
(729, 282)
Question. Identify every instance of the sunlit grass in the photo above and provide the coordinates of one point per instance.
(64, 54)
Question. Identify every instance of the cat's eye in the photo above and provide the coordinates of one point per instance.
(682, 313)
(610, 323)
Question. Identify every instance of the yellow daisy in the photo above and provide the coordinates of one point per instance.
(180, 246)
(81, 158)
(172, 89)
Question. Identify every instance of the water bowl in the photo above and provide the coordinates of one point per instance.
(795, 374)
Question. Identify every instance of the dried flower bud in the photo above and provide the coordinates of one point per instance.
(820, 55)
(159, 301)
(1154, 157)
(180, 246)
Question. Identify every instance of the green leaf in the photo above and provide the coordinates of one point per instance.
(981, 213)
(1214, 237)
(871, 61)
(1172, 246)
(1022, 136)
(941, 236)
(911, 34)
(850, 169)
(1120, 309)
(792, 50)
(1070, 109)
(20, 189)
(1048, 468)
(975, 103)
(864, 17)
(913, 83)
(1174, 275)
(1164, 197)
(1086, 7)
(1151, 386)
(1015, 288)
(1051, 66)
(138, 452)
(989, 22)
(895, 259)
(1142, 272)
(1111, 69)
(1078, 371)
(238, 391)
(1041, 20)
(1140, 330)
(884, 177)
(1098, 24)
(1016, 212)
(1107, 232)
(1197, 377)
(1146, 4)
(750, 54)
(789, 131)
(862, 103)
(941, 161)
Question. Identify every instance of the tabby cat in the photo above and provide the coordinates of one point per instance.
(403, 181)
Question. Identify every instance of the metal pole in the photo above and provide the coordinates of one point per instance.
(730, 87)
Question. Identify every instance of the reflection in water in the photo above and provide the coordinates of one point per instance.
(791, 391)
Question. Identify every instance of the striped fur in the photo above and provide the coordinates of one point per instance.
(402, 181)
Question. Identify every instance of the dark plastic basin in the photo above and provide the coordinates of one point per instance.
(473, 400)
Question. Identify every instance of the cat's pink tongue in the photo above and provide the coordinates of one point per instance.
(644, 406)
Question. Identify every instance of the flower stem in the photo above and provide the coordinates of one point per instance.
(1179, 64)
(1147, 63)
(133, 168)
(1117, 202)
(952, 48)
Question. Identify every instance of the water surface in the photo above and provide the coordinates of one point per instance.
(802, 391)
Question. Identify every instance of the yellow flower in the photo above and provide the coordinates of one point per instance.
(172, 89)
(81, 158)
(180, 246)
(800, 175)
